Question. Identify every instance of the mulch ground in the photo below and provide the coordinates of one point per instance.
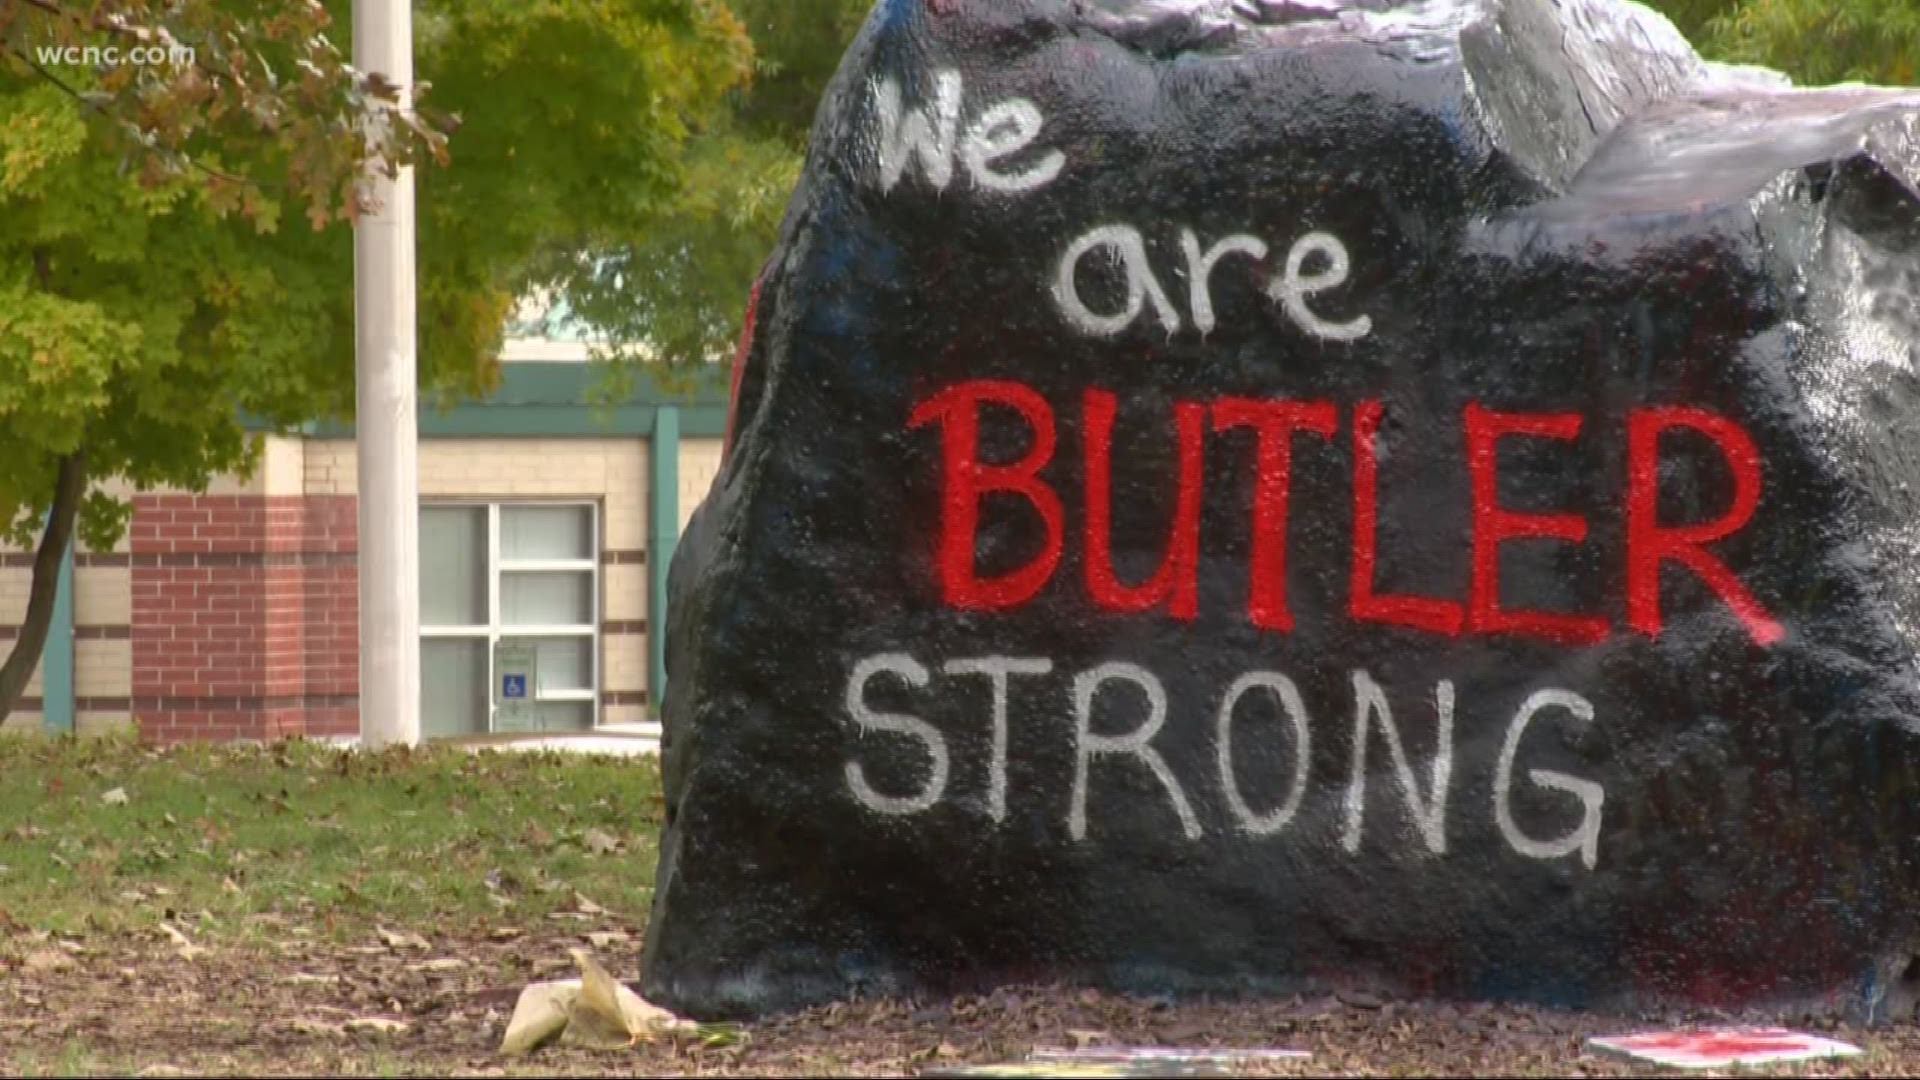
(406, 1005)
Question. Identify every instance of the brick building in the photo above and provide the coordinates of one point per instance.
(546, 521)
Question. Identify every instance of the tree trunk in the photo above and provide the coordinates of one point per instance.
(68, 490)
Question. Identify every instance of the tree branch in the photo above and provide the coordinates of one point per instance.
(76, 95)
(372, 84)
(69, 488)
(104, 23)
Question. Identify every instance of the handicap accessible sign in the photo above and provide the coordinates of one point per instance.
(515, 667)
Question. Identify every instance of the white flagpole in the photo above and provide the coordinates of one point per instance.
(385, 373)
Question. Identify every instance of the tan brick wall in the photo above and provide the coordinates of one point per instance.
(624, 714)
(699, 465)
(493, 467)
(624, 661)
(15, 585)
(283, 467)
(92, 724)
(34, 687)
(328, 468)
(102, 596)
(613, 471)
(623, 592)
(229, 484)
(623, 524)
(103, 669)
(116, 487)
(624, 513)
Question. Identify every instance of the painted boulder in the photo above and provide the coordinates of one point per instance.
(1237, 497)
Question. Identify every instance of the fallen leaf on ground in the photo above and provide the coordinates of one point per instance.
(116, 797)
(506, 933)
(45, 961)
(302, 978)
(317, 1027)
(402, 939)
(600, 939)
(609, 1015)
(539, 1016)
(585, 906)
(186, 949)
(600, 842)
(1084, 1038)
(379, 1025)
(444, 963)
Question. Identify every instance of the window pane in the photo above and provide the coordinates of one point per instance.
(566, 716)
(547, 599)
(546, 532)
(453, 566)
(565, 663)
(453, 688)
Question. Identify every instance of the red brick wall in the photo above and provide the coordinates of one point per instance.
(245, 617)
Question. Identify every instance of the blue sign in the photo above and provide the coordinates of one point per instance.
(513, 687)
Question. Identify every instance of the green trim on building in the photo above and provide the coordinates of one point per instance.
(56, 662)
(561, 401)
(665, 515)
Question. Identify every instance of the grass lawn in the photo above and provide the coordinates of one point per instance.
(292, 910)
(251, 844)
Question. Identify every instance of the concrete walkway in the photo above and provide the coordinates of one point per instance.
(623, 740)
(619, 740)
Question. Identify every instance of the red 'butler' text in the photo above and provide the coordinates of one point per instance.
(1276, 424)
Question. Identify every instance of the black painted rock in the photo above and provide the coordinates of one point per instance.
(1242, 496)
